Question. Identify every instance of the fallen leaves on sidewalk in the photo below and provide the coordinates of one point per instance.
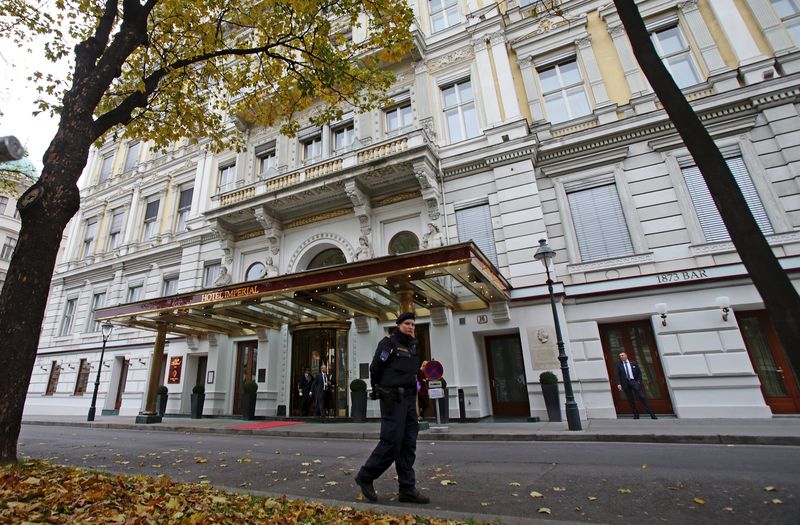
(37, 491)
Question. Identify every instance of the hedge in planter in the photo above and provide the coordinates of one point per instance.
(549, 383)
(358, 400)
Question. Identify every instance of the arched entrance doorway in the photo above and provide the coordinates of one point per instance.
(313, 345)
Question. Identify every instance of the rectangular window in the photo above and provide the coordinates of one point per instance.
(444, 14)
(3, 204)
(600, 226)
(564, 92)
(170, 286)
(184, 207)
(789, 13)
(150, 216)
(135, 293)
(210, 274)
(52, 380)
(267, 161)
(69, 316)
(105, 168)
(83, 377)
(343, 137)
(475, 224)
(398, 117)
(459, 111)
(98, 301)
(8, 248)
(227, 177)
(115, 231)
(710, 220)
(312, 148)
(676, 55)
(132, 159)
(88, 240)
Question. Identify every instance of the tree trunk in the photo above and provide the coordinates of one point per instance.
(24, 296)
(772, 282)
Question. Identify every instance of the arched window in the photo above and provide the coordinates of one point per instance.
(328, 257)
(403, 242)
(255, 271)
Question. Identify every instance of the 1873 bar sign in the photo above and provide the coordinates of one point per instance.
(675, 277)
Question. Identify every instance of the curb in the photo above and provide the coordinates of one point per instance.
(701, 439)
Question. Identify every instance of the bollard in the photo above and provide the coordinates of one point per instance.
(462, 409)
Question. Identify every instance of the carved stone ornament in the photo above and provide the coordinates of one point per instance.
(459, 55)
(225, 239)
(272, 228)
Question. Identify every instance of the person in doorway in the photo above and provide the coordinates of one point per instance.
(320, 387)
(629, 380)
(393, 375)
(304, 390)
(422, 390)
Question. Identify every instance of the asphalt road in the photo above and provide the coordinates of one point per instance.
(581, 482)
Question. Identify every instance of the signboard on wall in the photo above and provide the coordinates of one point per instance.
(175, 365)
(542, 344)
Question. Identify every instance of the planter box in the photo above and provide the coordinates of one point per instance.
(248, 404)
(197, 405)
(552, 402)
(358, 406)
(161, 404)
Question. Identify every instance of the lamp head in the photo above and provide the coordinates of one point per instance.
(725, 305)
(107, 329)
(661, 309)
(544, 253)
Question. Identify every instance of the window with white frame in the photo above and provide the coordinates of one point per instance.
(132, 158)
(115, 231)
(227, 177)
(564, 91)
(267, 161)
(68, 317)
(184, 207)
(789, 13)
(710, 221)
(8, 248)
(150, 219)
(475, 224)
(3, 204)
(674, 51)
(343, 137)
(105, 168)
(170, 286)
(398, 117)
(135, 293)
(444, 14)
(98, 301)
(459, 111)
(312, 148)
(210, 274)
(599, 222)
(88, 239)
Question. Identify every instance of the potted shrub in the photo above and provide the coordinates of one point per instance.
(248, 400)
(549, 383)
(161, 400)
(198, 399)
(358, 400)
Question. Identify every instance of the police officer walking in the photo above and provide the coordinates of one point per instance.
(393, 374)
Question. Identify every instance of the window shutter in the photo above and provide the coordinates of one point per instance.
(710, 220)
(475, 224)
(599, 223)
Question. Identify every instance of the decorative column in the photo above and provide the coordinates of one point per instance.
(603, 107)
(154, 381)
(508, 93)
(361, 206)
(421, 99)
(273, 229)
(226, 242)
(636, 81)
(431, 193)
(486, 80)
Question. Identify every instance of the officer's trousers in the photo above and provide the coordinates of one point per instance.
(398, 444)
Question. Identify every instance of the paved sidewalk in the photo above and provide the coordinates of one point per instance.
(774, 431)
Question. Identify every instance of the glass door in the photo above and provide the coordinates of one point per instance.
(507, 376)
(315, 345)
(245, 370)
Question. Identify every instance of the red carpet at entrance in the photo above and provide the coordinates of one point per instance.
(266, 424)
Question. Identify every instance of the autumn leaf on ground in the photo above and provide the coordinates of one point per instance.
(644, 466)
(776, 501)
(559, 489)
(340, 457)
(200, 460)
(535, 494)
(544, 510)
(699, 501)
(485, 503)
(624, 491)
(592, 498)
(770, 488)
(244, 460)
(448, 482)
(727, 509)
(513, 484)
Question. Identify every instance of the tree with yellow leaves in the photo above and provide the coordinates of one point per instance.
(162, 70)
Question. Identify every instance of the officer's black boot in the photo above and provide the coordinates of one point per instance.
(367, 489)
(414, 496)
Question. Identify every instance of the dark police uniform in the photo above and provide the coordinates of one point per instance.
(393, 374)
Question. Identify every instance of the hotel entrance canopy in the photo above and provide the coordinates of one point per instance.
(457, 276)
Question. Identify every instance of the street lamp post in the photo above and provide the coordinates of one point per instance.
(546, 254)
(107, 328)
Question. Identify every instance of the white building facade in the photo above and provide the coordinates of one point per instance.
(509, 124)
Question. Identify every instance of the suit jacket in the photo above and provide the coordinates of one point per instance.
(317, 386)
(622, 376)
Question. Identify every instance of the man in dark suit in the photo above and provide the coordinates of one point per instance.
(321, 386)
(304, 390)
(629, 380)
